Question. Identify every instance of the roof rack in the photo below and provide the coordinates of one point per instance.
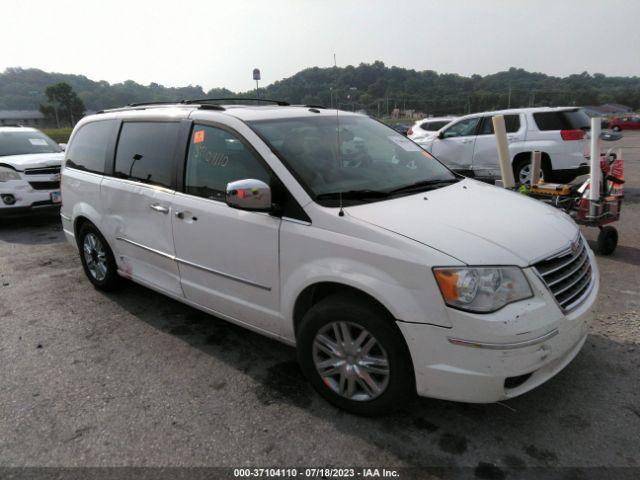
(142, 104)
(280, 103)
(204, 103)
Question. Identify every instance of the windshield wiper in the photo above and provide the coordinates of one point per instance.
(353, 194)
(424, 185)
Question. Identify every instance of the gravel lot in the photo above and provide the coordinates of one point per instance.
(136, 379)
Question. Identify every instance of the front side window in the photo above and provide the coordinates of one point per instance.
(18, 142)
(463, 128)
(145, 152)
(216, 158)
(355, 159)
(89, 146)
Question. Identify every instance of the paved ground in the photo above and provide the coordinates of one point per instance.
(90, 379)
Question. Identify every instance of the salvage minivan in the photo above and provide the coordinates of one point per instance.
(330, 231)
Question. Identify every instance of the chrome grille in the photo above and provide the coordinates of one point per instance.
(43, 170)
(568, 276)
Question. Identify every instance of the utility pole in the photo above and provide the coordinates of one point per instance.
(509, 100)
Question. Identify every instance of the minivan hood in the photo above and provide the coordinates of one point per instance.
(33, 160)
(476, 223)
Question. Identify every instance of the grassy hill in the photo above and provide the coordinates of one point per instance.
(374, 87)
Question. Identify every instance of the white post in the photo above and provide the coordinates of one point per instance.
(536, 160)
(506, 170)
(594, 189)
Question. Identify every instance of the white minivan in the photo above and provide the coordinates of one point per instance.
(389, 273)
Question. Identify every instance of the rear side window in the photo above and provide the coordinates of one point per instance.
(217, 157)
(145, 152)
(563, 120)
(88, 149)
(511, 123)
(432, 126)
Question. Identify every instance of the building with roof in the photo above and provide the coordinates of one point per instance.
(31, 118)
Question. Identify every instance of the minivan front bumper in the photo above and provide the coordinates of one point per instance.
(492, 357)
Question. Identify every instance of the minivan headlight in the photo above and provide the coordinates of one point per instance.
(7, 174)
(482, 289)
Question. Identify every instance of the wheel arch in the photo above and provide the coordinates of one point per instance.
(520, 156)
(315, 292)
(82, 219)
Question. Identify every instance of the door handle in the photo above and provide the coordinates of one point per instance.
(159, 208)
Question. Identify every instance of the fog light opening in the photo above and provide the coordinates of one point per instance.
(514, 382)
(8, 199)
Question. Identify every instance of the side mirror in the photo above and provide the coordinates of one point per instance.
(441, 135)
(249, 194)
(63, 146)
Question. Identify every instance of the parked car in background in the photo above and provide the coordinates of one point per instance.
(428, 127)
(625, 123)
(400, 128)
(271, 217)
(468, 144)
(29, 171)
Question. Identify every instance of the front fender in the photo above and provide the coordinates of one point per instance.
(419, 303)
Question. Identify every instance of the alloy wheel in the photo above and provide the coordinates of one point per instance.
(351, 361)
(524, 175)
(95, 256)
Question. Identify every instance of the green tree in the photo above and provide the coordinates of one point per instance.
(64, 103)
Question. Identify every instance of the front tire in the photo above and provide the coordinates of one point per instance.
(354, 355)
(97, 259)
(616, 128)
(607, 240)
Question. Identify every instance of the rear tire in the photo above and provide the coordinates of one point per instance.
(616, 128)
(366, 365)
(522, 171)
(607, 240)
(97, 259)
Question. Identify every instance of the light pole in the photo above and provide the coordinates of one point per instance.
(256, 77)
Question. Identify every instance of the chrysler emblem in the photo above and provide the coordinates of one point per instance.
(575, 246)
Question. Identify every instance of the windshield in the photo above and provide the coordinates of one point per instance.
(25, 142)
(362, 159)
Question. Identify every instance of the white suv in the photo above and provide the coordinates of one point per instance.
(468, 145)
(428, 128)
(389, 273)
(29, 171)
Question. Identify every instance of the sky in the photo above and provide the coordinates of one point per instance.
(218, 43)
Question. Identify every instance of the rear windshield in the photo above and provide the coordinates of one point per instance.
(433, 126)
(22, 143)
(562, 120)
